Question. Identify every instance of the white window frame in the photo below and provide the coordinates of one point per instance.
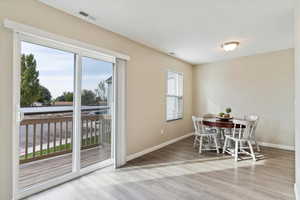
(179, 117)
(36, 36)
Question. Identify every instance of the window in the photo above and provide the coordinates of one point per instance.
(174, 95)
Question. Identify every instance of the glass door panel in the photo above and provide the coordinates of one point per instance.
(96, 111)
(46, 101)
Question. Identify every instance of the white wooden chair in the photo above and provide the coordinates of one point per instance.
(255, 119)
(240, 136)
(210, 116)
(202, 133)
(221, 131)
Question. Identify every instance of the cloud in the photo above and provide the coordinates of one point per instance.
(49, 59)
(99, 77)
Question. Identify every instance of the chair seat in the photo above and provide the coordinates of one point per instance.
(207, 133)
(237, 139)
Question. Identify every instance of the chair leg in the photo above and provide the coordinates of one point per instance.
(241, 145)
(257, 146)
(225, 143)
(195, 140)
(251, 151)
(200, 144)
(236, 151)
(216, 143)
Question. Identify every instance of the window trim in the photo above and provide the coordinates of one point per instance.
(71, 43)
(166, 96)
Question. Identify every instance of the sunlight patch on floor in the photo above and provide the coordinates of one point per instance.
(159, 171)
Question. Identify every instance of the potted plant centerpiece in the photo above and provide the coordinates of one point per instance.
(226, 115)
(228, 111)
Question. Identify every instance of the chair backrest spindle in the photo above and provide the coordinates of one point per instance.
(254, 119)
(198, 124)
(242, 129)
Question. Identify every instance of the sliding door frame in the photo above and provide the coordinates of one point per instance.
(79, 52)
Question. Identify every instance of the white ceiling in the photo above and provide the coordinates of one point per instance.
(194, 29)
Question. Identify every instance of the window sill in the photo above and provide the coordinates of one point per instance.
(171, 120)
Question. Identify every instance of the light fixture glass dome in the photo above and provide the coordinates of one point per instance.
(230, 46)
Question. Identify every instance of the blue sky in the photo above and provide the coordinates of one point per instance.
(56, 69)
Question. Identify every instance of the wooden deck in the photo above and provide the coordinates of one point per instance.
(179, 172)
(42, 170)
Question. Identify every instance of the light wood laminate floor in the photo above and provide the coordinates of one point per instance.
(179, 172)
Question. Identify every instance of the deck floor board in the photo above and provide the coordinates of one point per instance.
(43, 170)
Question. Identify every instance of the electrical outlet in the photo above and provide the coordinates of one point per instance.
(162, 131)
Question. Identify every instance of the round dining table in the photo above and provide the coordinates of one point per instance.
(218, 123)
(223, 127)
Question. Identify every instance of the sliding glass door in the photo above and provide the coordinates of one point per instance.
(66, 112)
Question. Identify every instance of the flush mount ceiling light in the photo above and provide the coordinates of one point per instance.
(230, 46)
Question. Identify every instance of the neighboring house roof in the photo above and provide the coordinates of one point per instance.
(37, 103)
(63, 103)
(109, 80)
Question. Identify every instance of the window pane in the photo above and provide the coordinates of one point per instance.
(172, 85)
(180, 106)
(174, 107)
(180, 85)
(171, 107)
(96, 102)
(47, 103)
(174, 95)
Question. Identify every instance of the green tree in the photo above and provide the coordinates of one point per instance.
(69, 96)
(66, 96)
(45, 95)
(30, 86)
(88, 98)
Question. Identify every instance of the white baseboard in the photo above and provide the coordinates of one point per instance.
(277, 146)
(146, 151)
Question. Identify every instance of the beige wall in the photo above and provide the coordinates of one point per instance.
(146, 79)
(262, 84)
